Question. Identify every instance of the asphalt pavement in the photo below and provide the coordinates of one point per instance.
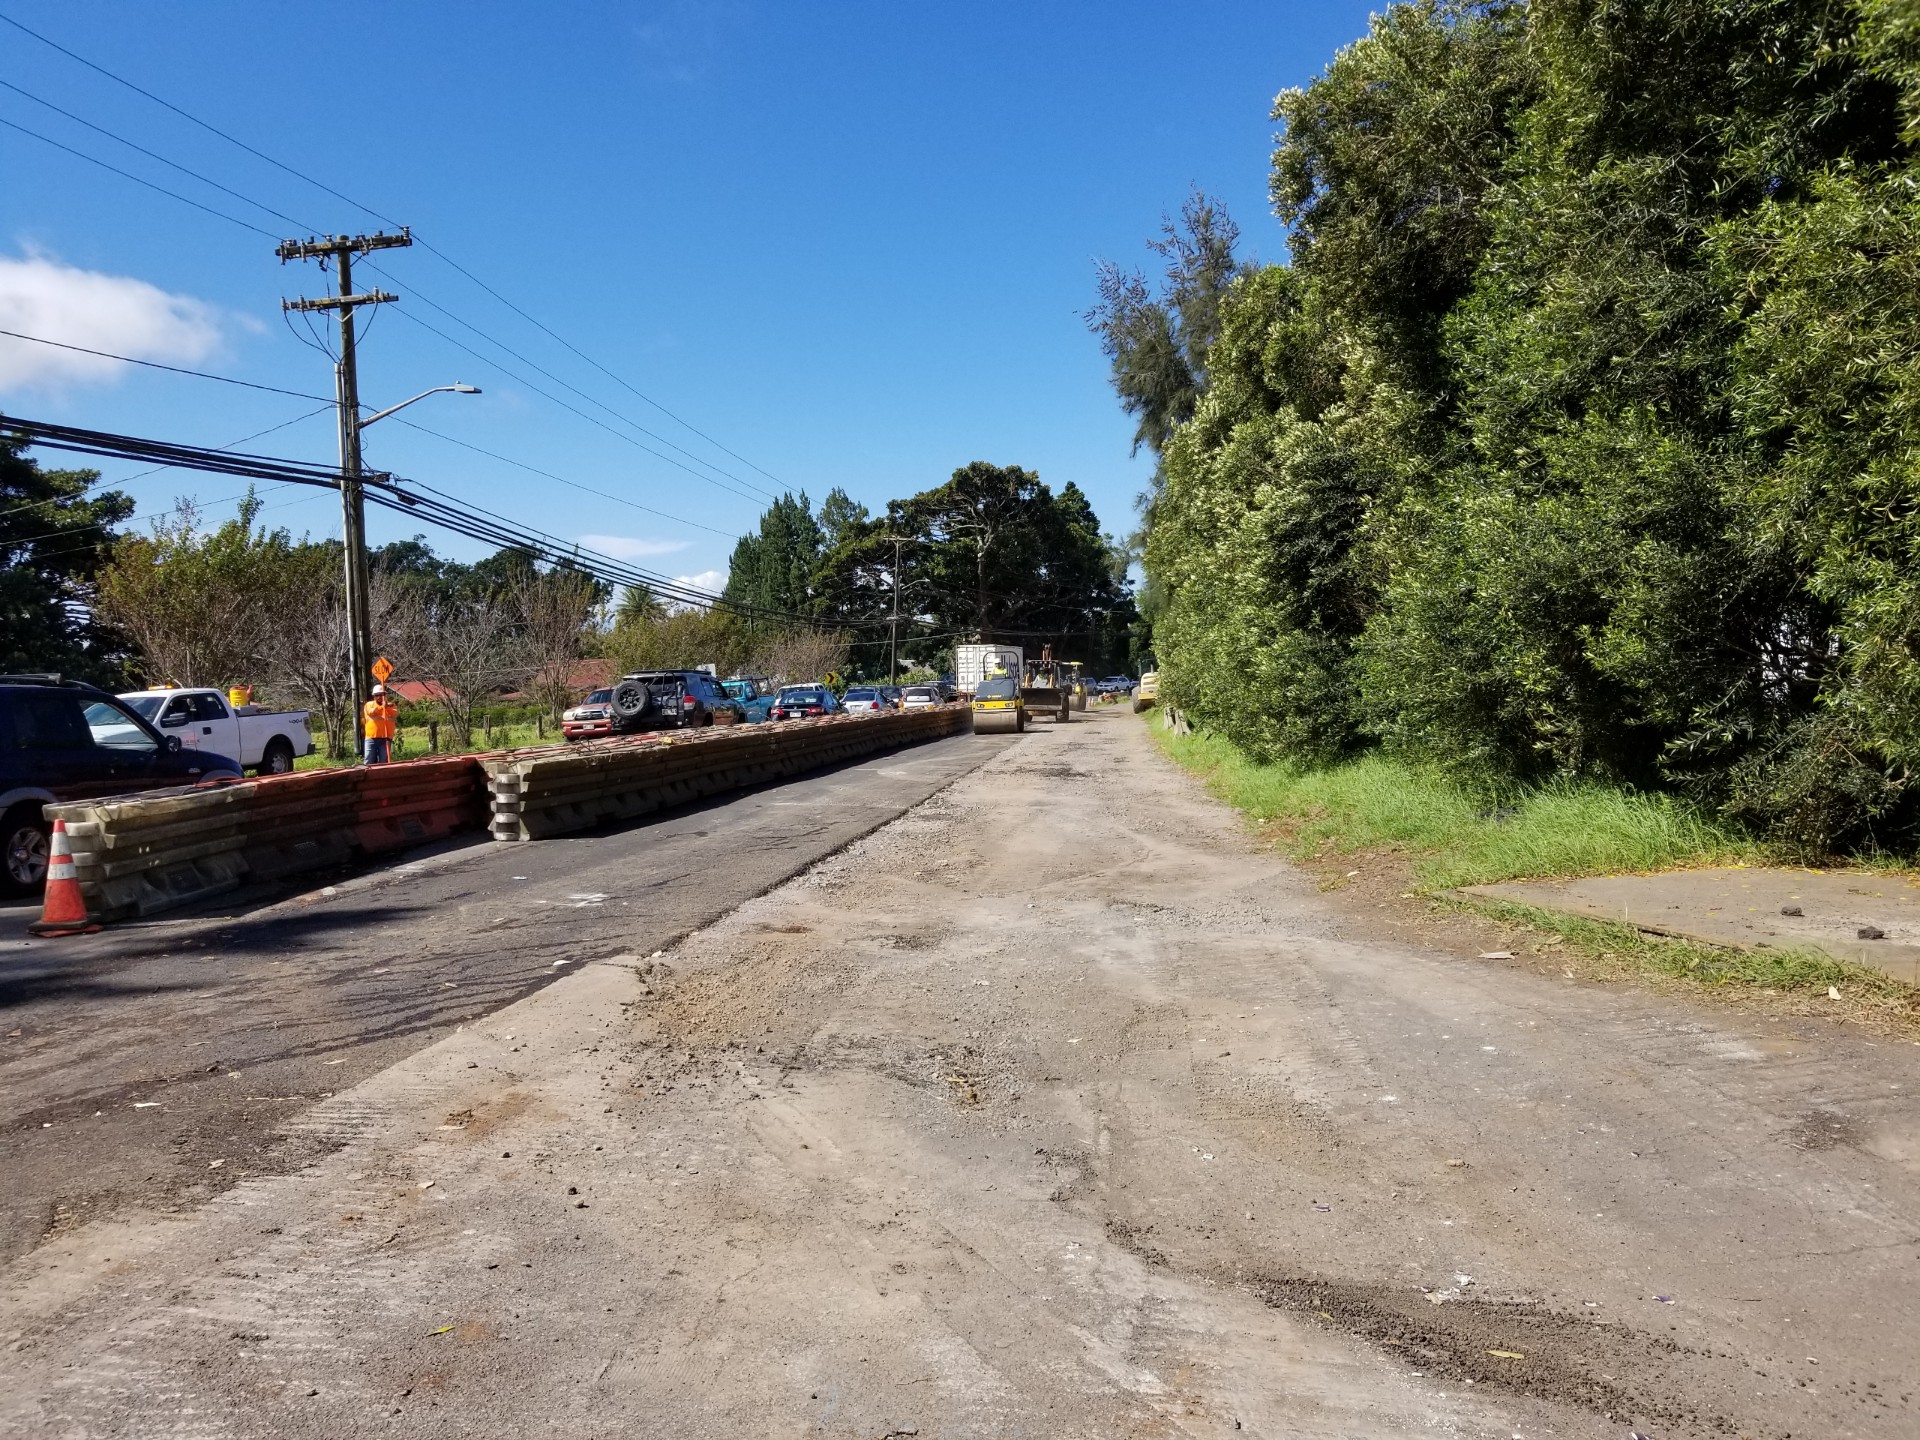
(157, 1064)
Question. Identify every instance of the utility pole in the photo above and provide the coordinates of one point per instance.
(893, 633)
(341, 249)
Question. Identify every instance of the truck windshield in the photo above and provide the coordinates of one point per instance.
(147, 706)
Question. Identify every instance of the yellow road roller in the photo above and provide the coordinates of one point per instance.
(998, 708)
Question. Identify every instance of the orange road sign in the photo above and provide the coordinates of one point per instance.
(382, 669)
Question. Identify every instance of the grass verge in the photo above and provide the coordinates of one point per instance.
(412, 744)
(1452, 837)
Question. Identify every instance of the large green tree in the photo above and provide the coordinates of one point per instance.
(1577, 435)
(771, 571)
(54, 537)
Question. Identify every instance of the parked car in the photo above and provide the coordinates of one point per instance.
(1115, 685)
(262, 740)
(796, 702)
(664, 700)
(919, 697)
(891, 694)
(863, 700)
(592, 716)
(753, 694)
(61, 740)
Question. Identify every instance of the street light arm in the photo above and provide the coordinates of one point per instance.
(456, 389)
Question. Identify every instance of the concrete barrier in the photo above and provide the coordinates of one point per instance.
(537, 794)
(141, 854)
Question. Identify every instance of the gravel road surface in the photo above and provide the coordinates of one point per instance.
(1052, 1108)
(158, 1064)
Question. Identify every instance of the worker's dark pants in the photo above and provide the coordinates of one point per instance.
(379, 749)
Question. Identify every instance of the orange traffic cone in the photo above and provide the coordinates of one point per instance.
(64, 912)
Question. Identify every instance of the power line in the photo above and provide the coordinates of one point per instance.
(142, 474)
(358, 205)
(549, 475)
(421, 501)
(194, 119)
(492, 340)
(138, 180)
(155, 155)
(590, 419)
(156, 365)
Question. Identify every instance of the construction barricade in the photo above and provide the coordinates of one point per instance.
(140, 854)
(539, 793)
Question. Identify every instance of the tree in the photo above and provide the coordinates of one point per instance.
(200, 605)
(772, 570)
(638, 605)
(681, 640)
(307, 662)
(1577, 436)
(801, 656)
(556, 608)
(54, 538)
(471, 643)
(1158, 345)
(993, 552)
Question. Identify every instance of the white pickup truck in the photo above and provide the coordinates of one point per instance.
(252, 736)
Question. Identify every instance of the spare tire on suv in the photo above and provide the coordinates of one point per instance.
(630, 700)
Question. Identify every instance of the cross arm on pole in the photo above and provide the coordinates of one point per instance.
(340, 302)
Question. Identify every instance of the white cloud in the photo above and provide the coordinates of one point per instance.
(707, 582)
(711, 582)
(40, 296)
(631, 547)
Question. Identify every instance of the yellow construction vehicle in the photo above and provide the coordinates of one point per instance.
(998, 708)
(1046, 689)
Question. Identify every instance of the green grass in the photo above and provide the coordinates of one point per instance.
(1452, 836)
(1804, 970)
(1455, 838)
(412, 743)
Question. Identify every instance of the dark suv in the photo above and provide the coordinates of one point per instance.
(61, 740)
(668, 700)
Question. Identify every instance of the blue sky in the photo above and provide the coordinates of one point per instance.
(849, 242)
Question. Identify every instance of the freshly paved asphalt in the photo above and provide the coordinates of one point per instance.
(154, 1065)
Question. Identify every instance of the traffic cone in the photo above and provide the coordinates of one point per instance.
(64, 911)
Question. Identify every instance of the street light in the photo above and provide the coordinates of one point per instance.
(457, 388)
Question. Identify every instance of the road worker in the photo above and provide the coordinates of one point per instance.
(382, 717)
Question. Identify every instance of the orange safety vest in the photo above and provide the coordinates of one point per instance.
(380, 717)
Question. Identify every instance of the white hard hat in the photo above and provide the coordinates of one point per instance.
(379, 689)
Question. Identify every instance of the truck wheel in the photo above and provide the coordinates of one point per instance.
(23, 850)
(277, 758)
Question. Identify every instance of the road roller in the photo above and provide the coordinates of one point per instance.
(998, 708)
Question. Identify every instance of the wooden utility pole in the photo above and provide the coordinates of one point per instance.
(346, 377)
(893, 633)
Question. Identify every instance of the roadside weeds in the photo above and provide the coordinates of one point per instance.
(1416, 838)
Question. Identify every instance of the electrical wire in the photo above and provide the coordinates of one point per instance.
(409, 497)
(138, 180)
(421, 501)
(549, 475)
(155, 155)
(419, 295)
(141, 475)
(358, 205)
(590, 419)
(156, 365)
